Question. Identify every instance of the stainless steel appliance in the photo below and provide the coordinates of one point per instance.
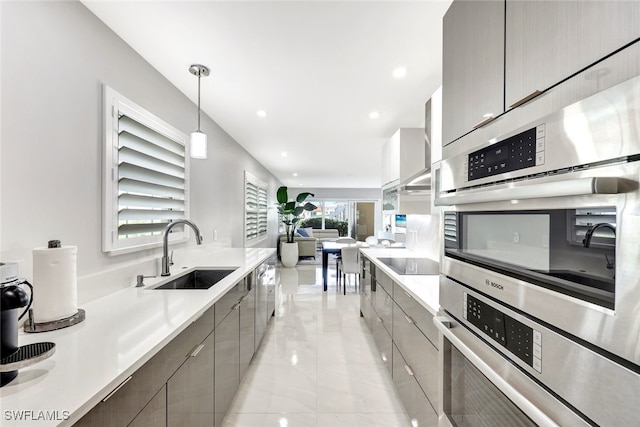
(540, 287)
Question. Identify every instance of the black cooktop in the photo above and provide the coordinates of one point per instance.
(412, 266)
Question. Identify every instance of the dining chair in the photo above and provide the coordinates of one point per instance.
(348, 240)
(349, 263)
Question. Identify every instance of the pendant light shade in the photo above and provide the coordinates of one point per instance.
(198, 145)
(198, 139)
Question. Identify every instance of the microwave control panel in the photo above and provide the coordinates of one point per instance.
(520, 339)
(520, 151)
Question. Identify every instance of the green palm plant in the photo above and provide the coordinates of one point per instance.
(290, 211)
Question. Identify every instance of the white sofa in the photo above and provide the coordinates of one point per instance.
(307, 246)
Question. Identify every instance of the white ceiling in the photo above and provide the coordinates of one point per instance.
(317, 68)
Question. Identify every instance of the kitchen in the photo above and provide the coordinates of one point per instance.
(97, 272)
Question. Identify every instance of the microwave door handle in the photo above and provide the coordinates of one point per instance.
(523, 190)
(540, 418)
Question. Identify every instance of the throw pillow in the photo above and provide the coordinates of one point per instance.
(302, 232)
(309, 231)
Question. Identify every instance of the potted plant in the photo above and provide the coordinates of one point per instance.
(290, 212)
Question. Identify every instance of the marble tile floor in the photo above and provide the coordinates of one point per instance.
(316, 366)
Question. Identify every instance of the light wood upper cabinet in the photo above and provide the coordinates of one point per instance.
(403, 155)
(548, 41)
(473, 66)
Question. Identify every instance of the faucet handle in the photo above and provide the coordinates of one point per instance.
(171, 258)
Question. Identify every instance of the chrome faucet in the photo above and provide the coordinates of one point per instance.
(166, 263)
(586, 242)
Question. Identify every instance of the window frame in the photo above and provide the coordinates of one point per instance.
(116, 104)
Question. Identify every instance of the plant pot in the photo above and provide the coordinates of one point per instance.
(289, 254)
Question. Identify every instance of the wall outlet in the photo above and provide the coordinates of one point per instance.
(215, 235)
(516, 237)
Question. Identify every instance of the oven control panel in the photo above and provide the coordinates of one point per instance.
(520, 151)
(520, 339)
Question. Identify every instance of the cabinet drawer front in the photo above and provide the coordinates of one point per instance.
(415, 402)
(228, 302)
(383, 305)
(383, 341)
(365, 310)
(418, 352)
(422, 318)
(190, 390)
(385, 282)
(125, 403)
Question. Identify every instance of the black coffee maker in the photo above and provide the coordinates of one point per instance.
(13, 299)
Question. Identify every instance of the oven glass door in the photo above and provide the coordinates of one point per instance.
(571, 251)
(473, 401)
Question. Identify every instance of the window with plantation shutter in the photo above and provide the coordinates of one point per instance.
(255, 201)
(145, 177)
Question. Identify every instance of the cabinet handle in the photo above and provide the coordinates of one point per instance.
(484, 122)
(408, 369)
(409, 319)
(408, 294)
(115, 390)
(526, 99)
(197, 350)
(237, 306)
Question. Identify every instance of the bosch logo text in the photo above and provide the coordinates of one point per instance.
(494, 284)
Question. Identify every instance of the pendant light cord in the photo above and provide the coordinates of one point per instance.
(199, 74)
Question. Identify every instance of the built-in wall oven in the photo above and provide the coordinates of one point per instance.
(540, 283)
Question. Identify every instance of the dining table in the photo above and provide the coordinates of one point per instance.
(333, 247)
(330, 248)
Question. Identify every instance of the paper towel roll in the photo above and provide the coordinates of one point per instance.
(55, 286)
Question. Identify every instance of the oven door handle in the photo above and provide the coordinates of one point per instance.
(444, 324)
(524, 190)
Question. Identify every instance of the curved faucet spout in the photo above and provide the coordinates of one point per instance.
(165, 242)
(586, 242)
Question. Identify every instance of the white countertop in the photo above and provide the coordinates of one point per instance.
(122, 331)
(425, 289)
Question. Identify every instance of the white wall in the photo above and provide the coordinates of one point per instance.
(55, 58)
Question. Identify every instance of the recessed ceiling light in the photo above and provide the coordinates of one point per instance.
(283, 154)
(399, 72)
(261, 113)
(295, 174)
(374, 115)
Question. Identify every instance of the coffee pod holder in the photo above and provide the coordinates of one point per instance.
(27, 355)
(31, 326)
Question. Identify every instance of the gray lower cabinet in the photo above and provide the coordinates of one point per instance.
(406, 341)
(155, 413)
(193, 379)
(247, 329)
(128, 399)
(190, 389)
(415, 402)
(227, 353)
(418, 352)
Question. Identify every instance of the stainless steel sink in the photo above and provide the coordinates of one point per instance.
(198, 279)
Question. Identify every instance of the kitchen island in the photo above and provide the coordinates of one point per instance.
(399, 309)
(122, 331)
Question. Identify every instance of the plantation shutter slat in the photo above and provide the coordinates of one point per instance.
(129, 125)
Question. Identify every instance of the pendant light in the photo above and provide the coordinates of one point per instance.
(198, 139)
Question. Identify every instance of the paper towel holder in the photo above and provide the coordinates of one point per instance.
(31, 326)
